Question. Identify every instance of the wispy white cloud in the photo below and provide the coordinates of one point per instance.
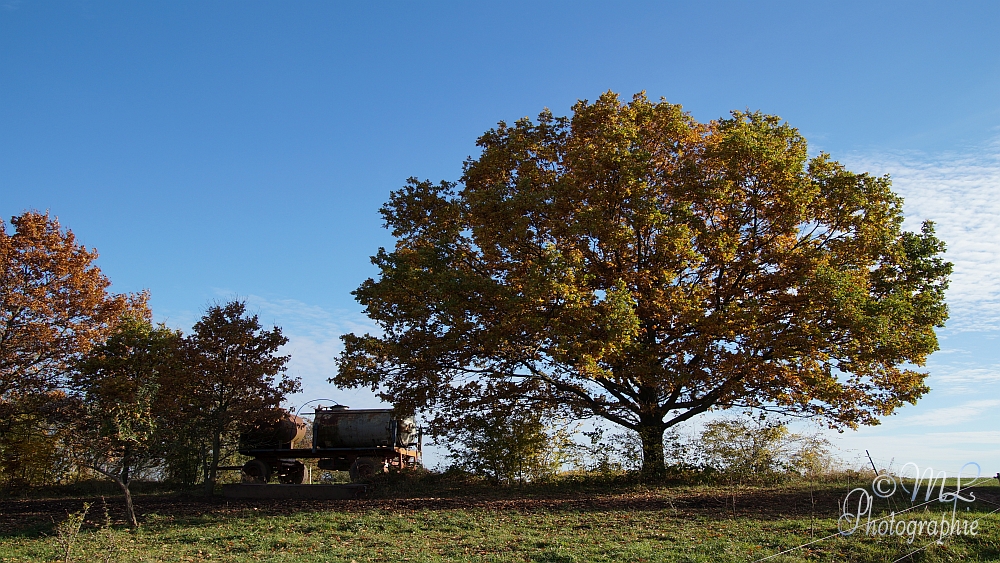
(951, 415)
(960, 192)
(964, 378)
(941, 450)
(314, 343)
(304, 319)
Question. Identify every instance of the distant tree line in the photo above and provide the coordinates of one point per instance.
(90, 385)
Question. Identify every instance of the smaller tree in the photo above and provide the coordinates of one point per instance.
(119, 383)
(609, 452)
(186, 452)
(813, 456)
(236, 378)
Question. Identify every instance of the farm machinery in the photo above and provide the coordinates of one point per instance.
(363, 442)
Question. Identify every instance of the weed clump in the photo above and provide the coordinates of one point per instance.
(106, 545)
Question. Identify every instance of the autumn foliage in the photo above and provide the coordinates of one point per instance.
(236, 376)
(88, 385)
(632, 263)
(54, 306)
(118, 431)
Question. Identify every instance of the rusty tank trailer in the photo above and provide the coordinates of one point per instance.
(363, 442)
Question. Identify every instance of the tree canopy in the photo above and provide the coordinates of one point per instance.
(632, 263)
(237, 378)
(87, 381)
(54, 306)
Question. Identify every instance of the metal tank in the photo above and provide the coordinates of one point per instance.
(278, 434)
(340, 427)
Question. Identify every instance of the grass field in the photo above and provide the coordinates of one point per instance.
(436, 520)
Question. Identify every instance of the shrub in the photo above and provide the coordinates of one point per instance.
(761, 450)
(609, 453)
(746, 448)
(507, 447)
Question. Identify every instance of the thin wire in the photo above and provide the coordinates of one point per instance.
(876, 520)
(794, 548)
(948, 536)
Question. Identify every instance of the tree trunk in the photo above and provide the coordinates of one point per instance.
(652, 450)
(129, 509)
(126, 460)
(213, 469)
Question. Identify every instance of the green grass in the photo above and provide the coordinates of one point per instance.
(565, 522)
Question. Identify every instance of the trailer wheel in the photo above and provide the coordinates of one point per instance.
(365, 468)
(293, 475)
(256, 471)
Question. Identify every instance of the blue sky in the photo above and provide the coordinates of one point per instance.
(219, 149)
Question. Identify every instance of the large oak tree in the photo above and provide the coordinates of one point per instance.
(632, 263)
